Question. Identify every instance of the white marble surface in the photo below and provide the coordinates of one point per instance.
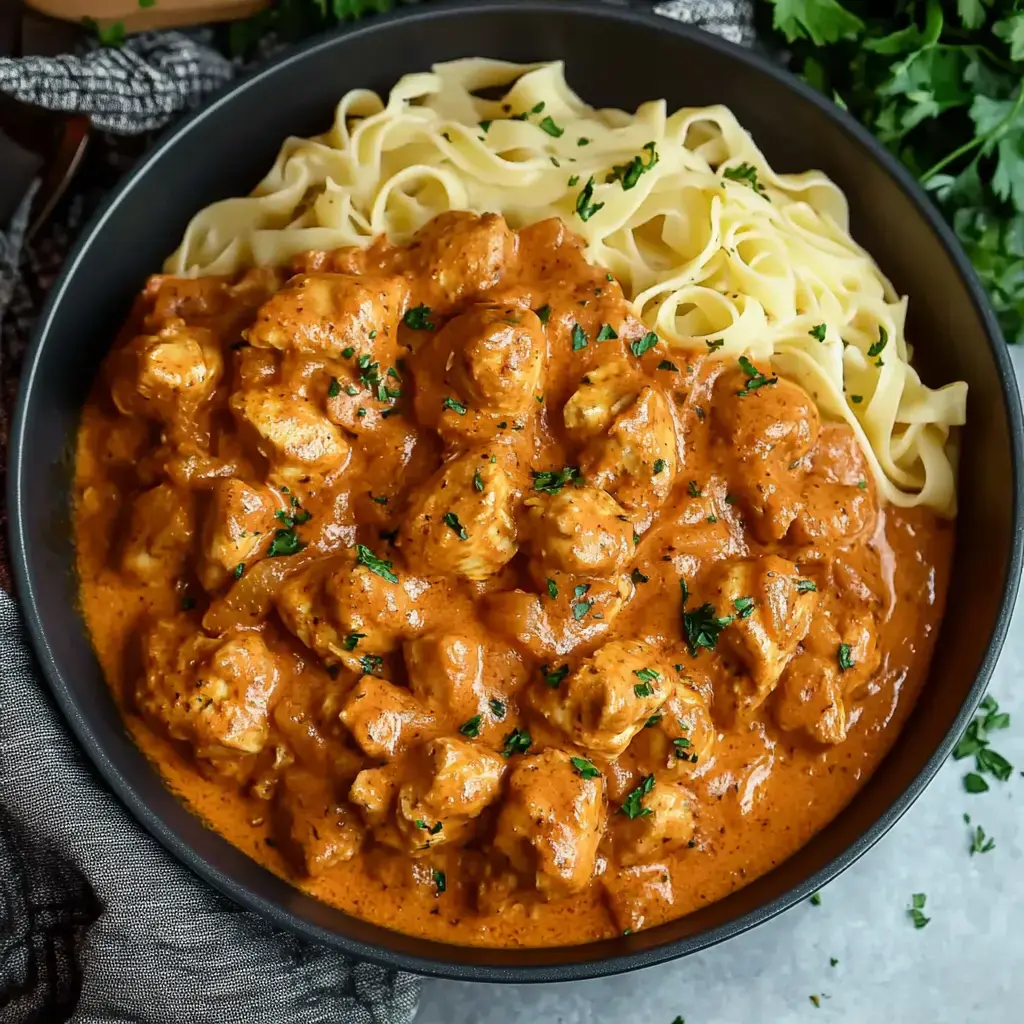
(966, 966)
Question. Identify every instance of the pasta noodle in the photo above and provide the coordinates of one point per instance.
(716, 251)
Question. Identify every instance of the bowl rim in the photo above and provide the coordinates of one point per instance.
(615, 962)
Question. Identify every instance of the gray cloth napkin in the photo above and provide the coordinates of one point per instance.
(97, 922)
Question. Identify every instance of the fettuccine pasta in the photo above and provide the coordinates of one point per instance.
(716, 251)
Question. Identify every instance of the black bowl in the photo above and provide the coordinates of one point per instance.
(614, 57)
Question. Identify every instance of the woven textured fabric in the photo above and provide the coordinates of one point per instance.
(97, 922)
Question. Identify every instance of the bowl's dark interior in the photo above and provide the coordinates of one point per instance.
(226, 150)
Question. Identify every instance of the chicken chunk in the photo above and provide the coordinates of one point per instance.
(545, 628)
(325, 314)
(213, 694)
(605, 392)
(461, 521)
(809, 699)
(316, 829)
(384, 719)
(681, 734)
(631, 451)
(345, 611)
(772, 608)
(581, 531)
(609, 698)
(238, 529)
(768, 431)
(446, 673)
(666, 825)
(550, 823)
(294, 436)
(432, 796)
(459, 255)
(160, 531)
(169, 375)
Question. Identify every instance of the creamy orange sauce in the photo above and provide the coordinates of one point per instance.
(217, 556)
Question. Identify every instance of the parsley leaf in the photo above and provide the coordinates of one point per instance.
(755, 378)
(472, 727)
(516, 742)
(450, 403)
(418, 318)
(821, 21)
(818, 332)
(632, 807)
(285, 542)
(585, 205)
(703, 627)
(845, 657)
(585, 768)
(497, 708)
(607, 333)
(551, 481)
(645, 344)
(554, 676)
(451, 520)
(745, 174)
(579, 338)
(364, 556)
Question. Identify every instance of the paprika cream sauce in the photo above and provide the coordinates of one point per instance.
(437, 584)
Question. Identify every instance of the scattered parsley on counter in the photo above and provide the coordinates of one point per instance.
(516, 742)
(815, 899)
(833, 961)
(980, 843)
(632, 807)
(380, 566)
(418, 318)
(975, 743)
(471, 729)
(916, 910)
(585, 768)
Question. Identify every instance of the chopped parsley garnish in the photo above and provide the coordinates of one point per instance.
(516, 742)
(431, 830)
(497, 708)
(471, 728)
(755, 378)
(543, 314)
(478, 481)
(652, 722)
(877, 348)
(862, 485)
(647, 675)
(574, 181)
(643, 690)
(371, 664)
(845, 657)
(554, 676)
(450, 403)
(833, 961)
(816, 899)
(714, 344)
(803, 586)
(856, 399)
(581, 607)
(440, 882)
(485, 126)
(975, 743)
(632, 807)
(629, 174)
(818, 332)
(693, 490)
(296, 518)
(579, 338)
(916, 910)
(607, 333)
(551, 481)
(285, 542)
(383, 568)
(552, 588)
(239, 569)
(684, 591)
(666, 365)
(744, 607)
(659, 466)
(334, 388)
(585, 768)
(712, 519)
(745, 174)
(645, 344)
(585, 205)
(551, 128)
(351, 642)
(980, 843)
(379, 500)
(418, 318)
(348, 353)
(451, 520)
(703, 628)
(638, 577)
